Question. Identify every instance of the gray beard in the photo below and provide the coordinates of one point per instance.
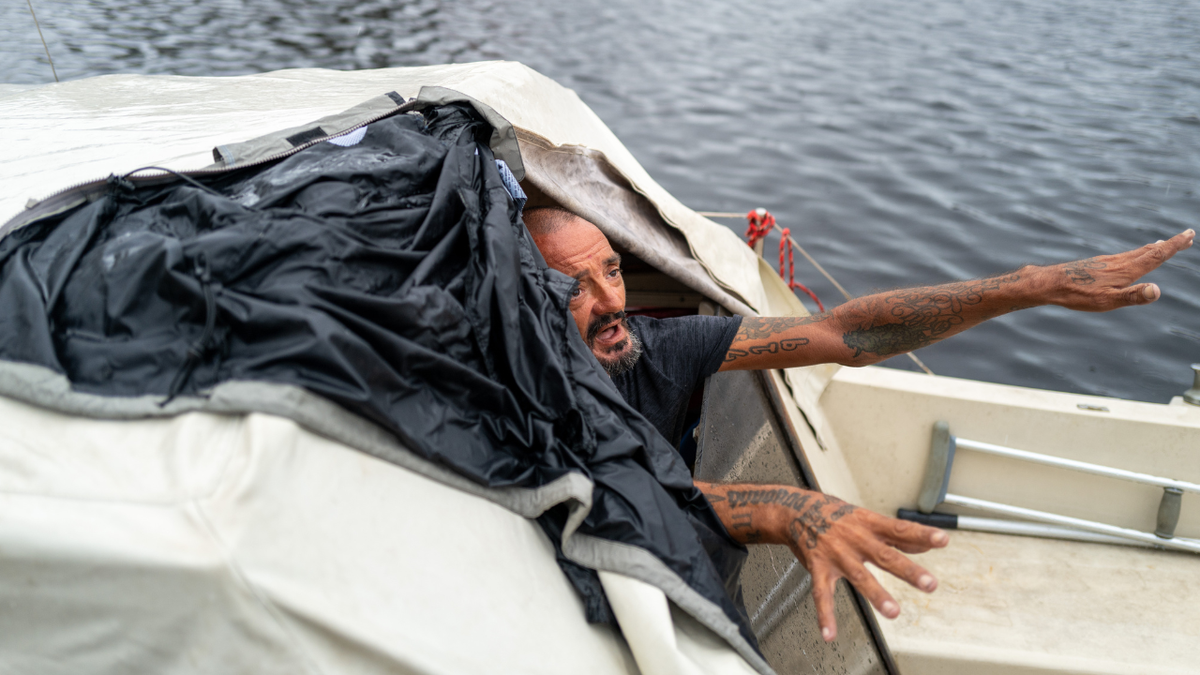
(629, 357)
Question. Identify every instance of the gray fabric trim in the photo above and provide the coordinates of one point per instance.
(40, 386)
(43, 387)
(640, 564)
(276, 143)
(503, 141)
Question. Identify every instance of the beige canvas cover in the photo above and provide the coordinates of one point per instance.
(208, 543)
(203, 542)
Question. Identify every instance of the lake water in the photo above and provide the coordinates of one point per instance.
(903, 142)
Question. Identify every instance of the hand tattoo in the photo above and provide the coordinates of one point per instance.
(922, 316)
(807, 525)
(811, 524)
(1078, 271)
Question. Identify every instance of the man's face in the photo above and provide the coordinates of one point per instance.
(580, 250)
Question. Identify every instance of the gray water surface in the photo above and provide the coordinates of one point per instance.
(903, 142)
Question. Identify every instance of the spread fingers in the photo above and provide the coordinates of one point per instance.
(898, 565)
(910, 537)
(822, 592)
(869, 586)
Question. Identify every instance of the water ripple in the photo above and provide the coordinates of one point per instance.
(934, 138)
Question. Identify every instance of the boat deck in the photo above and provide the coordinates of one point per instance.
(1010, 604)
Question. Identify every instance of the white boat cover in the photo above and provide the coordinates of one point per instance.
(231, 542)
(208, 543)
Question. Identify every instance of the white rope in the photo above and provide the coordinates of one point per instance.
(39, 29)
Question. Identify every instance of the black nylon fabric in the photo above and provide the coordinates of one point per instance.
(393, 277)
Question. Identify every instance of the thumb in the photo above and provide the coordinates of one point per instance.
(1142, 294)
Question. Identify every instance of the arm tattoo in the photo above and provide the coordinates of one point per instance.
(744, 523)
(762, 327)
(788, 345)
(754, 329)
(784, 497)
(810, 520)
(1078, 271)
(920, 316)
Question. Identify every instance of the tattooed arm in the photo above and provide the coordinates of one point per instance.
(831, 538)
(872, 328)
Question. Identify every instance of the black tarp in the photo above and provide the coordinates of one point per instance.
(393, 277)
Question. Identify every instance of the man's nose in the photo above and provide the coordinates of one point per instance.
(609, 300)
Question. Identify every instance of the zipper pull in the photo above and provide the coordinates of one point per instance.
(118, 184)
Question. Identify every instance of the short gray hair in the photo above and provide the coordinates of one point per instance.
(546, 220)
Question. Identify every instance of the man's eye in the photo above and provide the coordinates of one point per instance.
(616, 272)
(576, 292)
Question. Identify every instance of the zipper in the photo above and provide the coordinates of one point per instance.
(66, 199)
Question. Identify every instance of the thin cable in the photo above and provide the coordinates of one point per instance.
(178, 175)
(815, 264)
(39, 27)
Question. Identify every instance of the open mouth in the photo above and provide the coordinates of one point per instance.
(607, 330)
(610, 334)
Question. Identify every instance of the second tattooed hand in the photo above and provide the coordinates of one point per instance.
(831, 538)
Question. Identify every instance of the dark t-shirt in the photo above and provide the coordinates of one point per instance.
(677, 355)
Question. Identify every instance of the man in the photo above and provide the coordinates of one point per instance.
(657, 364)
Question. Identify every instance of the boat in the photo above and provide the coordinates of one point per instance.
(143, 544)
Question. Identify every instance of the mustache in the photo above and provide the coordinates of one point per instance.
(599, 323)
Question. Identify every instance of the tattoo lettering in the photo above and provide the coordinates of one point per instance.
(745, 521)
(754, 329)
(714, 499)
(922, 316)
(788, 498)
(788, 345)
(1078, 271)
(810, 521)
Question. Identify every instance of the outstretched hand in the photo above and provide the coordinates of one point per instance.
(1107, 282)
(833, 549)
(869, 329)
(832, 539)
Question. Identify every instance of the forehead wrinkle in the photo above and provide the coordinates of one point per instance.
(614, 259)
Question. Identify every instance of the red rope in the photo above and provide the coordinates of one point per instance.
(760, 223)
